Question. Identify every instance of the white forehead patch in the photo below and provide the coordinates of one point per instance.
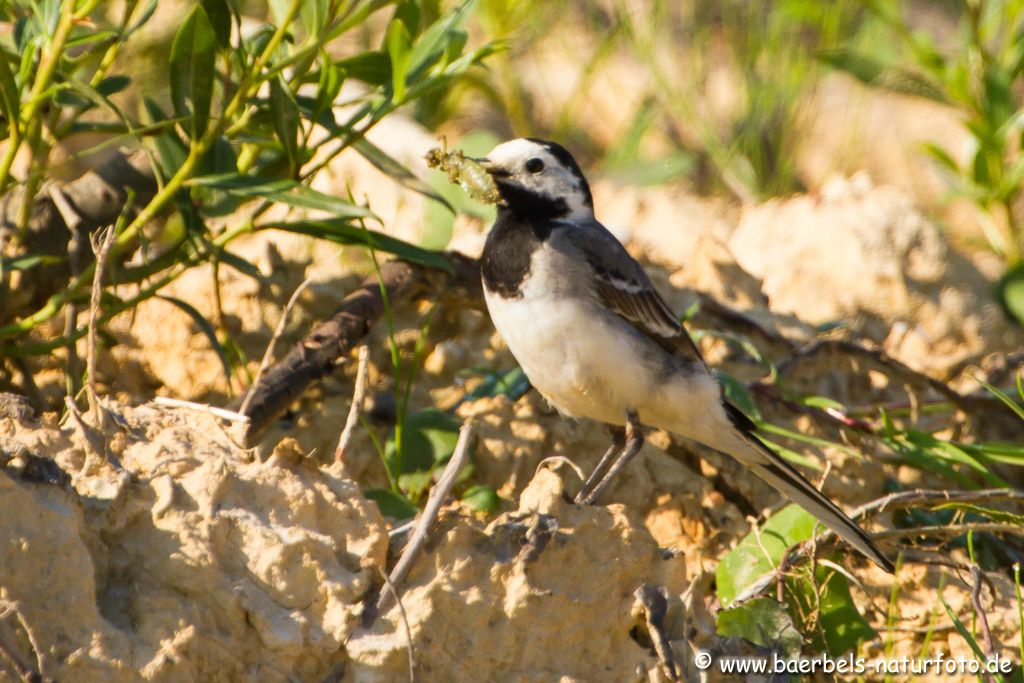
(509, 153)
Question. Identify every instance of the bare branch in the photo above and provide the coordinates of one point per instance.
(427, 518)
(976, 581)
(101, 247)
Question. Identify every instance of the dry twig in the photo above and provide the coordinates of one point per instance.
(426, 518)
(319, 351)
(101, 247)
(229, 415)
(358, 397)
(976, 581)
(654, 601)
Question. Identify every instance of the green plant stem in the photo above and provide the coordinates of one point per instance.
(166, 194)
(31, 122)
(111, 54)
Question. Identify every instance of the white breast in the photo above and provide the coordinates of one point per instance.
(578, 358)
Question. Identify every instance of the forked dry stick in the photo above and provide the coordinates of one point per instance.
(358, 397)
(269, 353)
(101, 248)
(425, 521)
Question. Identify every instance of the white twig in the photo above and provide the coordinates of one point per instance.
(223, 414)
(269, 353)
(401, 528)
(358, 396)
(427, 518)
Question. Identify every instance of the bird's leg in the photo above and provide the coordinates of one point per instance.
(634, 440)
(618, 443)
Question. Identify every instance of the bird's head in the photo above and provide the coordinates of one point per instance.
(540, 180)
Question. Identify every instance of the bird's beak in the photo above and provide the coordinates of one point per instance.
(492, 168)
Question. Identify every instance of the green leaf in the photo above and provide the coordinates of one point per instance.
(481, 498)
(512, 384)
(332, 77)
(241, 265)
(373, 68)
(28, 262)
(341, 231)
(871, 71)
(428, 439)
(285, 114)
(192, 70)
(399, 44)
(823, 402)
(314, 15)
(942, 156)
(170, 150)
(285, 191)
(389, 166)
(1010, 293)
(738, 394)
(206, 327)
(761, 621)
(751, 559)
(432, 43)
(392, 504)
(147, 13)
(415, 484)
(1002, 396)
(968, 637)
(10, 96)
(113, 84)
(840, 625)
(220, 20)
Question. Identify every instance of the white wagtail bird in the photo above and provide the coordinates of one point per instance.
(596, 339)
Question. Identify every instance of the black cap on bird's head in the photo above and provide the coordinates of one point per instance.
(540, 180)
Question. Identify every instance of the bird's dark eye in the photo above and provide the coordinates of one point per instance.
(534, 165)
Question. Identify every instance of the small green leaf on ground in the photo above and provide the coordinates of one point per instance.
(754, 557)
(761, 621)
(481, 498)
(392, 504)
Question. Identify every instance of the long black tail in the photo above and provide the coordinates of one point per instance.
(786, 479)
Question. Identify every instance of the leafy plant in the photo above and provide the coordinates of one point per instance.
(982, 77)
(253, 116)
